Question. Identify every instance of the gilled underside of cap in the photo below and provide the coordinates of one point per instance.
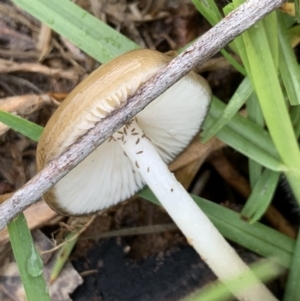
(107, 176)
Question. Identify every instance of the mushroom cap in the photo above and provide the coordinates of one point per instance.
(107, 176)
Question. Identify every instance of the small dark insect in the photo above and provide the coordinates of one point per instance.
(137, 141)
(136, 164)
(140, 152)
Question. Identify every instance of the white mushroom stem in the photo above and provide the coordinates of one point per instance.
(195, 225)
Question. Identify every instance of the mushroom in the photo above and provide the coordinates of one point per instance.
(137, 153)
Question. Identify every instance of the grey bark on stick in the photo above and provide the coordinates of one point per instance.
(209, 44)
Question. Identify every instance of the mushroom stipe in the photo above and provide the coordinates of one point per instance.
(161, 131)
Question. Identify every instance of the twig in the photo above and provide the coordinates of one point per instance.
(210, 43)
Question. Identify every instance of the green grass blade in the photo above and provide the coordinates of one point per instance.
(261, 196)
(233, 62)
(264, 74)
(254, 152)
(209, 10)
(235, 103)
(245, 136)
(254, 114)
(295, 117)
(245, 128)
(97, 39)
(255, 170)
(63, 255)
(28, 260)
(288, 66)
(217, 291)
(21, 125)
(297, 10)
(256, 237)
(270, 26)
(292, 291)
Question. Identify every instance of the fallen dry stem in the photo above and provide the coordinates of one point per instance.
(210, 43)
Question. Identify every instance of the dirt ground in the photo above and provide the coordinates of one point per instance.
(38, 68)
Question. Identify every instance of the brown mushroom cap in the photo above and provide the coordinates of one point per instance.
(97, 95)
(106, 176)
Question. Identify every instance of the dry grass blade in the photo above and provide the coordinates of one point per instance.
(44, 41)
(7, 66)
(26, 104)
